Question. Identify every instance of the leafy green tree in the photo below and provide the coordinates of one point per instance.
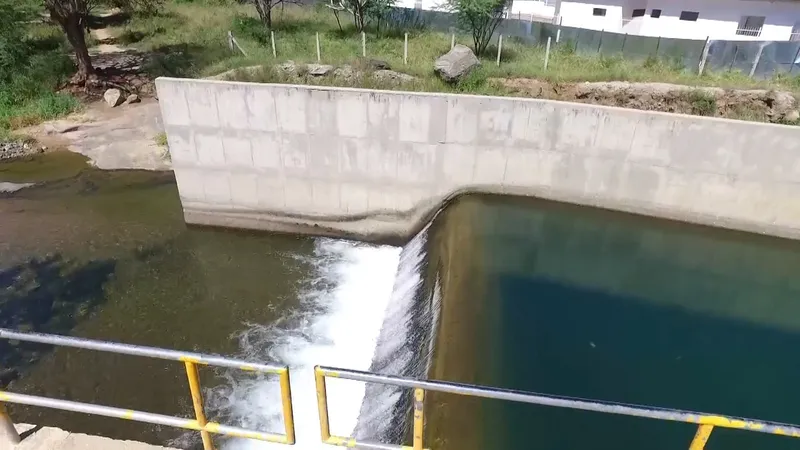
(73, 16)
(13, 49)
(480, 17)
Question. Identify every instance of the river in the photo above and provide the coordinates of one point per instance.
(508, 292)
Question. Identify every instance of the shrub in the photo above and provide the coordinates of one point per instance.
(703, 103)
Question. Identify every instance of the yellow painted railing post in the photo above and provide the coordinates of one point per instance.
(419, 419)
(322, 405)
(701, 437)
(288, 413)
(197, 400)
(7, 431)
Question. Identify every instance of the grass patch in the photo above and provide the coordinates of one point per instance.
(38, 64)
(703, 103)
(189, 39)
(161, 139)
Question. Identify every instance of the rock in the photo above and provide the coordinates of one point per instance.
(345, 72)
(289, 68)
(377, 64)
(792, 116)
(60, 127)
(113, 97)
(391, 75)
(456, 63)
(133, 98)
(319, 70)
(13, 149)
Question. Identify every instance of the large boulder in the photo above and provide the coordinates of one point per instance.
(113, 97)
(456, 63)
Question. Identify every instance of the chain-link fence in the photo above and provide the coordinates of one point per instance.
(760, 59)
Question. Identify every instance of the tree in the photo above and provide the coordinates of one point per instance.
(480, 17)
(363, 11)
(73, 18)
(265, 7)
(12, 43)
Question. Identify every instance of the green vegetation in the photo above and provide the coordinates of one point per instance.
(189, 40)
(481, 18)
(703, 103)
(34, 63)
(161, 139)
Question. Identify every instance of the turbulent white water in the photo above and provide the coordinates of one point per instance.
(342, 309)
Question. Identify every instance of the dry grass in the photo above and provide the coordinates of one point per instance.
(190, 39)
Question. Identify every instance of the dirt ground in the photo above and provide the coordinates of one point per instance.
(761, 105)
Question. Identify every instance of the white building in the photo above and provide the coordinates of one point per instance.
(765, 20)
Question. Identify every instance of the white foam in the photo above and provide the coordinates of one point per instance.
(343, 307)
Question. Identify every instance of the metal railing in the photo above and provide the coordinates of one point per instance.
(191, 361)
(705, 422)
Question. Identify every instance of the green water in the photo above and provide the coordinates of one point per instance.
(585, 303)
(535, 296)
(107, 255)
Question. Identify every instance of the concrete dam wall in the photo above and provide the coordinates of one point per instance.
(366, 163)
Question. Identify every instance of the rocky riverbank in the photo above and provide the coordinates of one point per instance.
(13, 149)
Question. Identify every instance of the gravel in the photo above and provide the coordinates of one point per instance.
(15, 149)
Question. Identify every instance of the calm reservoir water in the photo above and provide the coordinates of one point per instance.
(515, 293)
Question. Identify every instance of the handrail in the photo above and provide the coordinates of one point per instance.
(190, 359)
(705, 422)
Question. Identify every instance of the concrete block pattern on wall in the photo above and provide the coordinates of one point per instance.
(337, 158)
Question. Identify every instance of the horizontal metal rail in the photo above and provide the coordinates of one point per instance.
(705, 422)
(190, 359)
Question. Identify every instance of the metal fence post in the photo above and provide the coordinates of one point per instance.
(755, 63)
(322, 405)
(419, 418)
(7, 431)
(547, 54)
(499, 48)
(272, 40)
(704, 57)
(197, 401)
(364, 44)
(405, 49)
(319, 54)
(600, 44)
(288, 411)
(796, 55)
(701, 437)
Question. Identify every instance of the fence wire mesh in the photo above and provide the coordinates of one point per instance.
(769, 57)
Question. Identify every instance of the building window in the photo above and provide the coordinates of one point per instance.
(638, 12)
(655, 14)
(599, 12)
(691, 16)
(750, 26)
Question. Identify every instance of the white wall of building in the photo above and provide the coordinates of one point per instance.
(719, 19)
(580, 15)
(539, 8)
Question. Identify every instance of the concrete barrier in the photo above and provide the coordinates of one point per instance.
(365, 163)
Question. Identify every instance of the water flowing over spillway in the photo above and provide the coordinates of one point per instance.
(353, 314)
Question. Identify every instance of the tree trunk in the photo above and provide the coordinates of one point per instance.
(74, 30)
(264, 8)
